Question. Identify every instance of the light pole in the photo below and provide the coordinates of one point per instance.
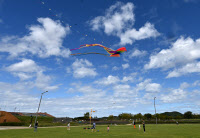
(39, 106)
(155, 108)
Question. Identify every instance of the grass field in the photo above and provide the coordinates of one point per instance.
(123, 131)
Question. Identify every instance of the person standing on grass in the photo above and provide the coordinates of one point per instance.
(94, 127)
(31, 121)
(134, 124)
(108, 128)
(143, 125)
(68, 126)
(36, 125)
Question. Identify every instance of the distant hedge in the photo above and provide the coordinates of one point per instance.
(12, 124)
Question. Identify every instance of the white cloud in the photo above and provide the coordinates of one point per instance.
(83, 68)
(184, 85)
(23, 76)
(147, 31)
(117, 17)
(183, 56)
(196, 83)
(24, 69)
(105, 66)
(28, 69)
(137, 53)
(19, 100)
(127, 78)
(108, 81)
(188, 68)
(176, 95)
(42, 82)
(124, 90)
(125, 66)
(85, 89)
(119, 20)
(183, 51)
(148, 86)
(115, 68)
(27, 65)
(43, 40)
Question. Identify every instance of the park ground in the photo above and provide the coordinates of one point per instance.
(123, 131)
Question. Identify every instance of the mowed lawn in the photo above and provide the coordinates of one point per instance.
(123, 131)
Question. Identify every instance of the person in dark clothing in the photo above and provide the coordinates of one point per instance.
(143, 125)
(36, 125)
(134, 124)
(94, 127)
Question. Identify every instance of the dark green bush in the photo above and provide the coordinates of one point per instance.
(12, 124)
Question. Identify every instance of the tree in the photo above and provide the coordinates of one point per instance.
(110, 117)
(163, 117)
(148, 116)
(188, 115)
(124, 116)
(86, 115)
(138, 116)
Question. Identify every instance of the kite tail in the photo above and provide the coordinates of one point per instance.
(74, 49)
(78, 54)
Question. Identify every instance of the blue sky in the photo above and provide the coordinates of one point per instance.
(162, 59)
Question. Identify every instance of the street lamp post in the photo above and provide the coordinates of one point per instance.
(39, 106)
(155, 108)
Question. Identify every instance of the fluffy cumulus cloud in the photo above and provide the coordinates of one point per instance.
(119, 20)
(20, 101)
(27, 70)
(184, 85)
(148, 86)
(125, 66)
(127, 79)
(115, 68)
(183, 56)
(43, 40)
(176, 95)
(82, 68)
(144, 32)
(124, 90)
(26, 65)
(137, 53)
(108, 80)
(188, 68)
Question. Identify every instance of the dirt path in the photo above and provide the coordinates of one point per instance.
(12, 127)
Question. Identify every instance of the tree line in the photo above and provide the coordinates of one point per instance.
(147, 116)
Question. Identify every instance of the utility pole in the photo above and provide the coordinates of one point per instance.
(91, 115)
(155, 108)
(39, 106)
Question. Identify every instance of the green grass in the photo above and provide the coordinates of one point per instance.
(123, 131)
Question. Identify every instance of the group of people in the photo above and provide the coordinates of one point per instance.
(94, 126)
(143, 123)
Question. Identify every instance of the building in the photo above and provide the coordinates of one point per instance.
(7, 117)
(29, 114)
